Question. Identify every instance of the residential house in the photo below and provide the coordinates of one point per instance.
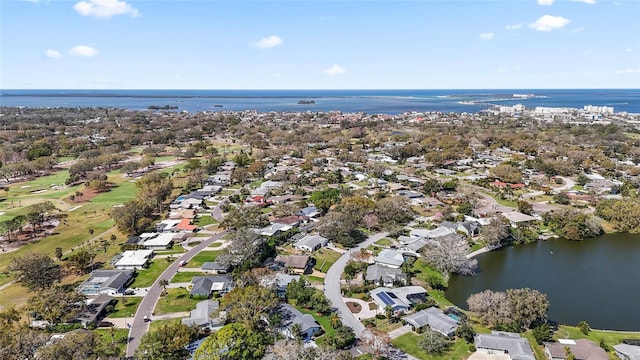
(157, 241)
(431, 234)
(310, 212)
(206, 315)
(388, 276)
(435, 319)
(282, 281)
(293, 220)
(185, 226)
(206, 285)
(582, 349)
(298, 264)
(133, 259)
(500, 342)
(215, 267)
(108, 282)
(400, 299)
(94, 312)
(274, 229)
(628, 350)
(290, 316)
(517, 218)
(390, 258)
(311, 243)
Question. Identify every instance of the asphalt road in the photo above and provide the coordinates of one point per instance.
(148, 303)
(332, 286)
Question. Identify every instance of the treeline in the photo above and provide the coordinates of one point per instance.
(623, 214)
(572, 225)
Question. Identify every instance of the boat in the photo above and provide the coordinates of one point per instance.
(306, 102)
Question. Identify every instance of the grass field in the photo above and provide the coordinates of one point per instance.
(384, 242)
(459, 350)
(146, 277)
(118, 340)
(128, 309)
(325, 258)
(186, 276)
(157, 324)
(201, 258)
(177, 300)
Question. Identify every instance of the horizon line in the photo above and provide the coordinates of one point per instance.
(323, 89)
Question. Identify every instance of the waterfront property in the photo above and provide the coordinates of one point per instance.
(435, 319)
(582, 349)
(500, 342)
(398, 299)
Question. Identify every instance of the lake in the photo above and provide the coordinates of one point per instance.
(596, 280)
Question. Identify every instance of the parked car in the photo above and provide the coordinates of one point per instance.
(182, 263)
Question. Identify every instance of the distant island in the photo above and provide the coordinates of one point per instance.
(166, 107)
(306, 102)
(217, 105)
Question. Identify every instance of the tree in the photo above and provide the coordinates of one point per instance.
(78, 344)
(378, 341)
(507, 173)
(250, 305)
(233, 342)
(37, 213)
(340, 228)
(528, 307)
(164, 283)
(525, 207)
(334, 320)
(582, 179)
(58, 253)
(394, 211)
(35, 271)
(497, 230)
(433, 342)
(56, 304)
(449, 255)
(166, 343)
(543, 333)
(245, 248)
(324, 199)
(289, 350)
(342, 338)
(23, 342)
(465, 331)
(584, 327)
(431, 186)
(80, 260)
(244, 216)
(492, 307)
(562, 198)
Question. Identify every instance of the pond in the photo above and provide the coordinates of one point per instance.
(596, 280)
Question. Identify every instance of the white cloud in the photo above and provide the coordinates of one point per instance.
(52, 54)
(105, 8)
(628, 71)
(549, 22)
(268, 42)
(590, 2)
(513, 27)
(628, 49)
(335, 70)
(545, 2)
(487, 36)
(83, 51)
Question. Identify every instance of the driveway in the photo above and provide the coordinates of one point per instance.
(148, 303)
(332, 285)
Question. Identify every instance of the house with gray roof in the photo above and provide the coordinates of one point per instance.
(290, 316)
(435, 319)
(205, 285)
(215, 267)
(388, 276)
(390, 258)
(207, 314)
(501, 342)
(108, 282)
(627, 351)
(311, 243)
(399, 299)
(94, 312)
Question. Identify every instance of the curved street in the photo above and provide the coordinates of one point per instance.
(139, 326)
(332, 285)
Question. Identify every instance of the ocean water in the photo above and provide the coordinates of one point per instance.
(348, 101)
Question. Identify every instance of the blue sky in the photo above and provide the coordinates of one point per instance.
(430, 44)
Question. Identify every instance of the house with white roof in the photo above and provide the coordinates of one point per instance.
(157, 241)
(390, 258)
(311, 243)
(627, 351)
(133, 259)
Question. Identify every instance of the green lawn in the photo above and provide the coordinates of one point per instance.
(119, 339)
(186, 276)
(422, 270)
(325, 258)
(324, 321)
(146, 277)
(538, 350)
(177, 300)
(157, 324)
(126, 307)
(459, 350)
(204, 220)
(610, 337)
(201, 258)
(313, 279)
(440, 297)
(384, 242)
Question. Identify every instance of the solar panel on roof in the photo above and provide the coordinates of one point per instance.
(385, 298)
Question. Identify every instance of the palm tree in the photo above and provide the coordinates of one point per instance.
(164, 283)
(334, 320)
